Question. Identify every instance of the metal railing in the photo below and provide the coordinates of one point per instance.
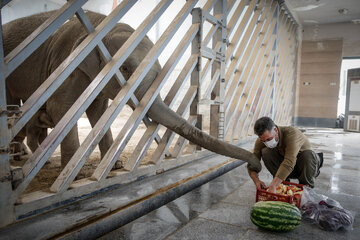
(248, 72)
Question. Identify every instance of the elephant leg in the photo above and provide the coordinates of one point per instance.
(34, 130)
(69, 145)
(94, 112)
(43, 134)
(57, 109)
(32, 134)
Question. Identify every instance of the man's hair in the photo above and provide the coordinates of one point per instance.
(263, 124)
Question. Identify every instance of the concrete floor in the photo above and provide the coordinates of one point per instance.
(220, 209)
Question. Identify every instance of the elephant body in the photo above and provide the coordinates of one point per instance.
(53, 52)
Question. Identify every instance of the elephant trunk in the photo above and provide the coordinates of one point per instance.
(161, 113)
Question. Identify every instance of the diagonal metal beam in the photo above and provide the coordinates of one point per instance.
(41, 155)
(51, 84)
(146, 140)
(120, 142)
(107, 58)
(78, 159)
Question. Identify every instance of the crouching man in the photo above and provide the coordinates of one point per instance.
(286, 153)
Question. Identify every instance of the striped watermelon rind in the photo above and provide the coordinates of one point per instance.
(275, 216)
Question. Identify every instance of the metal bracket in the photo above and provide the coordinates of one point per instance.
(11, 110)
(6, 178)
(220, 57)
(4, 150)
(14, 175)
(12, 149)
(159, 171)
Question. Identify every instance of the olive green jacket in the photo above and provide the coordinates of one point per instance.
(291, 142)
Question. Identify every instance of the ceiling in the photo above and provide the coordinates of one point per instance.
(308, 12)
(312, 12)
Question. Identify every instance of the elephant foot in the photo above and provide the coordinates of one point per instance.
(118, 165)
(64, 161)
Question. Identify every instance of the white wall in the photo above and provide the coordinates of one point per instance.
(350, 33)
(345, 65)
(20, 8)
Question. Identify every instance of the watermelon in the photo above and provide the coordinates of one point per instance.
(275, 216)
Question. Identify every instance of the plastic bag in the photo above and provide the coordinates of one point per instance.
(324, 211)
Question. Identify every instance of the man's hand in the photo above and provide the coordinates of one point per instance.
(271, 189)
(259, 184)
(274, 184)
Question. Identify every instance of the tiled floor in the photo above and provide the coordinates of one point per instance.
(220, 209)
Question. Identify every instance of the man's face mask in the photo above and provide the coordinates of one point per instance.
(272, 143)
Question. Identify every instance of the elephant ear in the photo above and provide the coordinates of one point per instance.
(91, 65)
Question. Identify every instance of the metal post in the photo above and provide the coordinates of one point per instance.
(197, 17)
(6, 208)
(217, 119)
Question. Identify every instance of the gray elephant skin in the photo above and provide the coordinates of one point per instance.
(35, 70)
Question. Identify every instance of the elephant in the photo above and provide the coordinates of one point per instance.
(54, 50)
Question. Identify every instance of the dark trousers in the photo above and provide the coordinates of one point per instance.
(306, 168)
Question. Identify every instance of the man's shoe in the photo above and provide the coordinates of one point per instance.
(321, 157)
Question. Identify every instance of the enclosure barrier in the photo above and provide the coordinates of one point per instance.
(239, 62)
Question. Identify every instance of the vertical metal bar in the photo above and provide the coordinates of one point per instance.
(6, 208)
(224, 41)
(197, 18)
(220, 36)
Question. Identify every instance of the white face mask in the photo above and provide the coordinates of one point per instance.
(271, 143)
